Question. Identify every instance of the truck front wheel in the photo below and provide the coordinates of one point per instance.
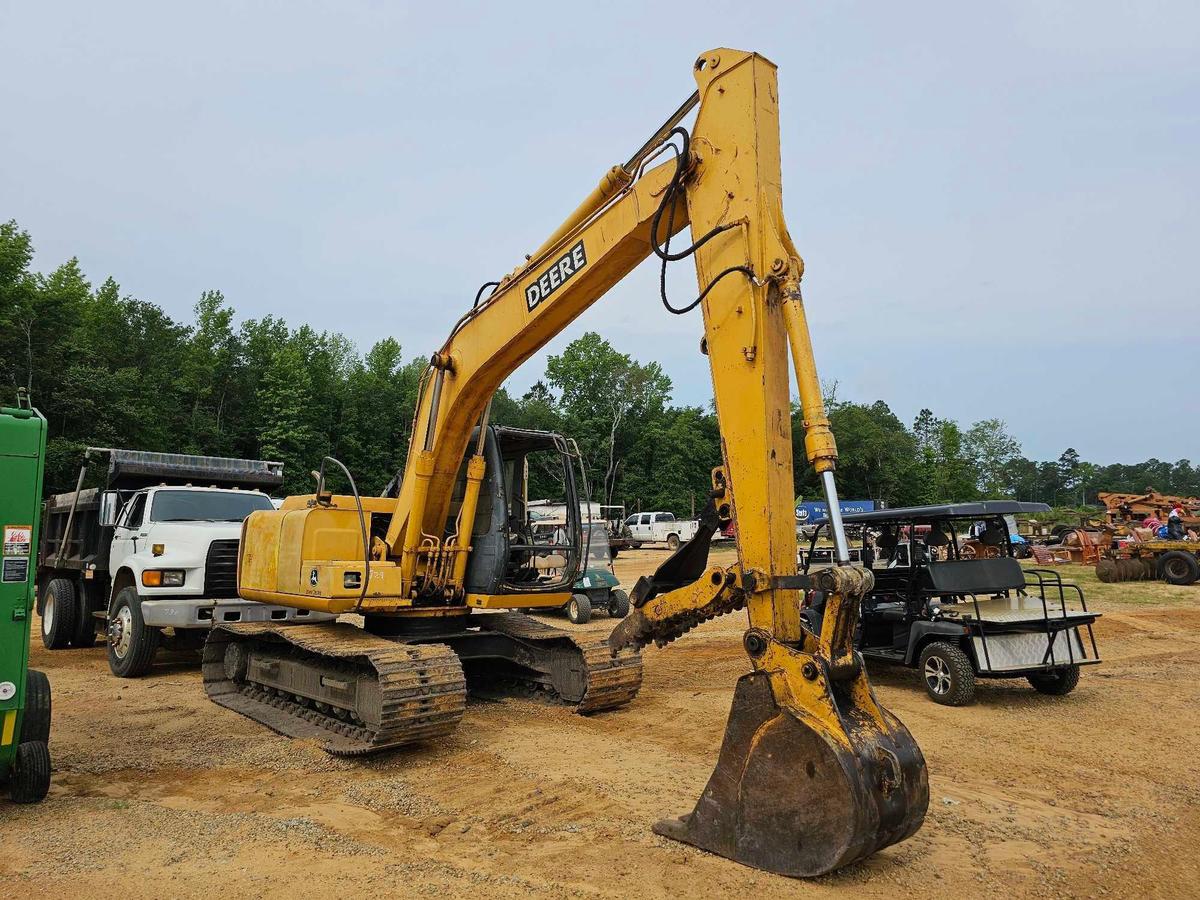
(131, 643)
(60, 614)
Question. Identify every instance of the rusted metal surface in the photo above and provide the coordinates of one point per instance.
(421, 691)
(359, 693)
(605, 679)
(788, 798)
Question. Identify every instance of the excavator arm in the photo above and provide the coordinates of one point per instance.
(814, 773)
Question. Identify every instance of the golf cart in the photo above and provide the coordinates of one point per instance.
(597, 586)
(957, 619)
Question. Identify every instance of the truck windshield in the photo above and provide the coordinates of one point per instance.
(213, 506)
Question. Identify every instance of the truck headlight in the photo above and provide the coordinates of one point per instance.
(163, 578)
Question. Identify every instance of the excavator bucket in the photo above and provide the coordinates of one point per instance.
(793, 796)
(813, 774)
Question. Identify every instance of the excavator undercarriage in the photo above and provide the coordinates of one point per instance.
(360, 693)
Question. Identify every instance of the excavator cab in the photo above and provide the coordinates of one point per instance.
(506, 556)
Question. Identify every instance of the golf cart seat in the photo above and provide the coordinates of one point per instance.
(894, 611)
(973, 576)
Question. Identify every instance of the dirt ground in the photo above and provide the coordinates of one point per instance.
(160, 793)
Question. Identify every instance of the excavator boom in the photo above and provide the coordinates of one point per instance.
(813, 773)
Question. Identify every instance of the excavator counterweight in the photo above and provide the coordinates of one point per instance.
(813, 773)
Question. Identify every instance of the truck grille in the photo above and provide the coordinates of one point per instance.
(220, 569)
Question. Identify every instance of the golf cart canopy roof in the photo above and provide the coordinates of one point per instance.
(978, 510)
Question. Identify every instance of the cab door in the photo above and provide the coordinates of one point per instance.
(128, 531)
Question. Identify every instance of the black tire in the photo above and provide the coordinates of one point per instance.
(59, 614)
(35, 727)
(618, 604)
(635, 546)
(30, 779)
(1178, 567)
(672, 542)
(947, 674)
(84, 635)
(1057, 682)
(579, 609)
(131, 643)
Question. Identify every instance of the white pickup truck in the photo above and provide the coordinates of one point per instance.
(155, 565)
(659, 528)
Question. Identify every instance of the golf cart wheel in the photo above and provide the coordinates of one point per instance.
(618, 604)
(35, 727)
(948, 675)
(672, 542)
(967, 552)
(1058, 682)
(579, 609)
(59, 614)
(30, 779)
(1178, 567)
(131, 643)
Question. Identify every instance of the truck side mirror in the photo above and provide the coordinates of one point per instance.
(110, 508)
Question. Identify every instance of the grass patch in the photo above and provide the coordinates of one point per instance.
(1124, 593)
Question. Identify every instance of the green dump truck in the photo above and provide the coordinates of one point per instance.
(24, 694)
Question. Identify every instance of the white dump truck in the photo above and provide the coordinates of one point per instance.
(151, 555)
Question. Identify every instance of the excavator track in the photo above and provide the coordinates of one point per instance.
(358, 693)
(422, 691)
(610, 679)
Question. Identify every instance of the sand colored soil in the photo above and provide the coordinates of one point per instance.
(157, 792)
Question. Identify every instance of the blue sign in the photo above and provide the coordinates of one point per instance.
(812, 511)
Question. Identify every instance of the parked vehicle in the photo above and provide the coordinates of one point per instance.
(597, 586)
(958, 619)
(151, 554)
(24, 692)
(545, 514)
(659, 528)
(1175, 562)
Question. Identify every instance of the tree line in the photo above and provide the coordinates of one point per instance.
(108, 369)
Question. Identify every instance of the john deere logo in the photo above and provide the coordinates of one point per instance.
(312, 578)
(555, 276)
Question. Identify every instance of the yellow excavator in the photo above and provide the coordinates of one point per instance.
(813, 773)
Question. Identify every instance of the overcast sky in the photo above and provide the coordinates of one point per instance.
(997, 203)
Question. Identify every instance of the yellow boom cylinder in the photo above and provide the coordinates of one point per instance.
(614, 181)
(819, 444)
(466, 516)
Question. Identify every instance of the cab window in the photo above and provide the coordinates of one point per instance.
(137, 512)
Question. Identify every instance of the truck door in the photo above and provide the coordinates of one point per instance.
(642, 530)
(127, 531)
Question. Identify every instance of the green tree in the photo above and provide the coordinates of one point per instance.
(285, 400)
(605, 397)
(989, 448)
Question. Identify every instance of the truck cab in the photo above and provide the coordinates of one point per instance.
(659, 528)
(154, 563)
